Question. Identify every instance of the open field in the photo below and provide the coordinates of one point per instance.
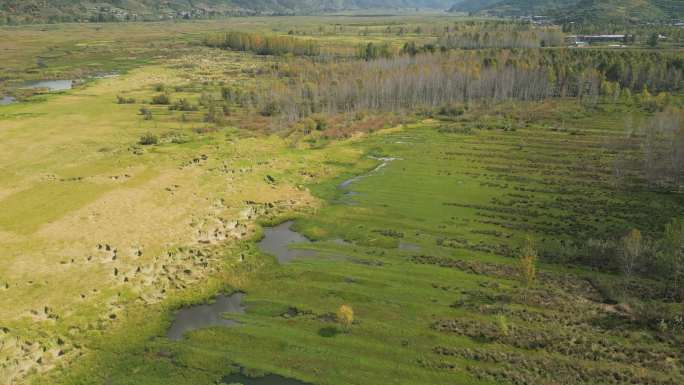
(129, 197)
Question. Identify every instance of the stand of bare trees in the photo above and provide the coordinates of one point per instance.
(403, 83)
(653, 153)
(429, 80)
(409, 83)
(663, 150)
(502, 39)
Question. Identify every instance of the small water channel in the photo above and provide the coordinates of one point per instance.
(384, 162)
(408, 246)
(270, 379)
(204, 316)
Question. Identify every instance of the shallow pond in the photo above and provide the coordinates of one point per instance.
(270, 379)
(408, 246)
(204, 316)
(277, 241)
(5, 100)
(52, 85)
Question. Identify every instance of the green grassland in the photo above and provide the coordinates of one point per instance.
(104, 236)
(432, 310)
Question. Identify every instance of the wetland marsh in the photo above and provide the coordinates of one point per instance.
(336, 213)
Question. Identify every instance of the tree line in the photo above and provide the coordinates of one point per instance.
(538, 38)
(263, 44)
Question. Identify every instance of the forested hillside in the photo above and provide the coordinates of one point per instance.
(22, 11)
(32, 11)
(578, 10)
(509, 7)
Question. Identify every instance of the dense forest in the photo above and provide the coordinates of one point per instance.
(581, 11)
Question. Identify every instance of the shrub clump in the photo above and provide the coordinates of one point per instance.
(146, 113)
(148, 139)
(124, 100)
(162, 99)
(183, 105)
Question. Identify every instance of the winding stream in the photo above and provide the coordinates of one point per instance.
(385, 162)
(270, 379)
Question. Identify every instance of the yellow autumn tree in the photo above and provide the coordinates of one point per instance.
(528, 261)
(345, 316)
(632, 249)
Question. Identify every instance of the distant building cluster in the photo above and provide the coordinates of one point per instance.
(585, 40)
(538, 20)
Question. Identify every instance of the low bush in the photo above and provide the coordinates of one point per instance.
(183, 105)
(452, 110)
(148, 139)
(162, 99)
(146, 113)
(123, 100)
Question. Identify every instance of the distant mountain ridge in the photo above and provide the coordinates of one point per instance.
(112, 10)
(509, 7)
(578, 10)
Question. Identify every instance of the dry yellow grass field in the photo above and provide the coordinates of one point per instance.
(91, 220)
